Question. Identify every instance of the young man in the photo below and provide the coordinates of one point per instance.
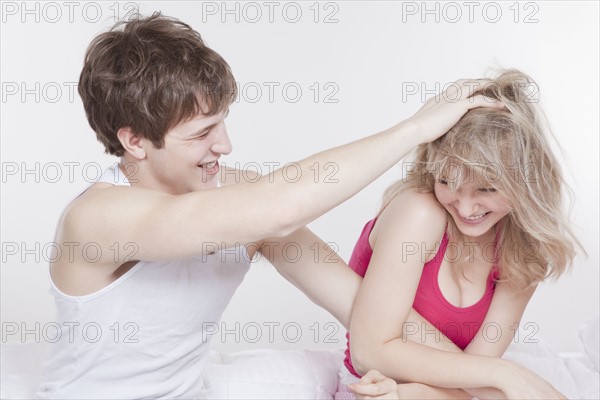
(173, 236)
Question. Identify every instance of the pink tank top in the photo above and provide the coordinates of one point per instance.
(459, 324)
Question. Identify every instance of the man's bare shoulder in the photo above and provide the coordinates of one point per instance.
(105, 210)
(106, 194)
(84, 199)
(80, 226)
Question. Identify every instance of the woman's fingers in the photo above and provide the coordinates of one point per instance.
(366, 389)
(374, 383)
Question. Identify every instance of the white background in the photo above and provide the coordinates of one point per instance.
(365, 58)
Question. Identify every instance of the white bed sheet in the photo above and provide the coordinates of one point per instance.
(308, 374)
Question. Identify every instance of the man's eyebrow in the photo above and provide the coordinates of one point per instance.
(202, 130)
(206, 128)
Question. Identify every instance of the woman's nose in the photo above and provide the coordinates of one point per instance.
(467, 206)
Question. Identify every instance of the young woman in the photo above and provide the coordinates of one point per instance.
(455, 254)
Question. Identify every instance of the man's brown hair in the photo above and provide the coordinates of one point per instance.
(149, 74)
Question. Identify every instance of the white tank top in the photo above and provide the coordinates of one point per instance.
(145, 335)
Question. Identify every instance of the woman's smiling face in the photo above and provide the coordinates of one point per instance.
(474, 208)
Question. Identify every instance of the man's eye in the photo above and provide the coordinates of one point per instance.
(487, 190)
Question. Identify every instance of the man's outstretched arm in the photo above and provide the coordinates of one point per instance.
(166, 227)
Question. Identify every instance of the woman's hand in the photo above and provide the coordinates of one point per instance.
(440, 113)
(374, 385)
(521, 383)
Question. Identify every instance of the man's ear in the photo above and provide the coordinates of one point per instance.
(131, 143)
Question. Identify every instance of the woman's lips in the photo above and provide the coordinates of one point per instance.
(475, 221)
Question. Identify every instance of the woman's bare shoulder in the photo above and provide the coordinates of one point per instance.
(412, 210)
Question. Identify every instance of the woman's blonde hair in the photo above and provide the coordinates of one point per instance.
(506, 149)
